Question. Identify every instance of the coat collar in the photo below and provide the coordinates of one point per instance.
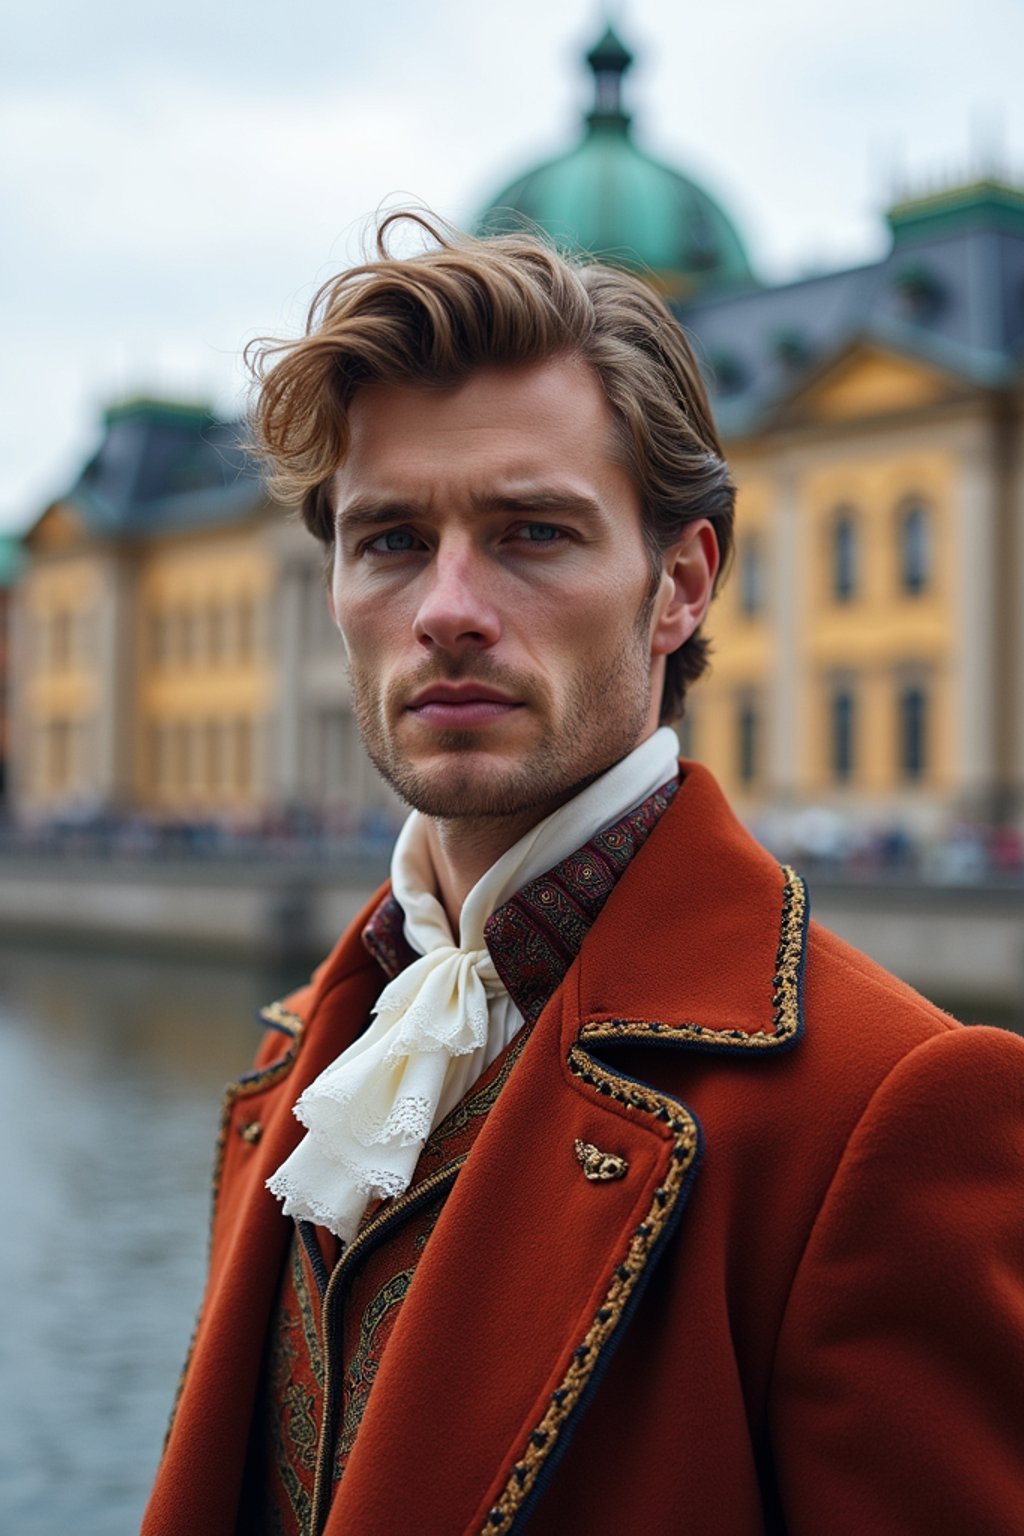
(534, 937)
(715, 931)
(714, 928)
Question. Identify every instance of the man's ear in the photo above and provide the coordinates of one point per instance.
(686, 589)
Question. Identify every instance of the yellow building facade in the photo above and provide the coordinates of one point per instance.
(205, 684)
(861, 657)
(144, 675)
(172, 652)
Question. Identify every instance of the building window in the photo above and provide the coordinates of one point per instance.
(751, 576)
(913, 732)
(243, 756)
(185, 637)
(915, 541)
(59, 774)
(181, 757)
(843, 734)
(747, 742)
(246, 632)
(686, 730)
(162, 770)
(215, 633)
(155, 638)
(61, 640)
(213, 762)
(83, 638)
(844, 556)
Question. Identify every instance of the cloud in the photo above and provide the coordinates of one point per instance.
(178, 179)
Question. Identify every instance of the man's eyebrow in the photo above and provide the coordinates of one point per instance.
(373, 511)
(536, 499)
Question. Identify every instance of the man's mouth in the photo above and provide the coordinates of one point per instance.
(448, 706)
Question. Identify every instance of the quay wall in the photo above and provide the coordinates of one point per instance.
(956, 943)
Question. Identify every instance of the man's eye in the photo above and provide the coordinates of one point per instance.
(397, 541)
(539, 533)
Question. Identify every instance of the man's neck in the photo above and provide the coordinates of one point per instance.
(463, 850)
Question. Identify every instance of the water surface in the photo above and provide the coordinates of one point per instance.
(112, 1071)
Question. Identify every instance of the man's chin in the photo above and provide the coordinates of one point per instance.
(461, 790)
(457, 789)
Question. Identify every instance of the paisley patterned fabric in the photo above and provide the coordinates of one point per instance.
(533, 939)
(535, 936)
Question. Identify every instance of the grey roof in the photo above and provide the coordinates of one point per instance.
(161, 467)
(949, 295)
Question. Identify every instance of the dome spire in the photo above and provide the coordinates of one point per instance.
(609, 60)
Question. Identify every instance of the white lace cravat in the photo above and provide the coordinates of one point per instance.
(443, 1020)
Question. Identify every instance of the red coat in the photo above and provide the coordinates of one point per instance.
(799, 1307)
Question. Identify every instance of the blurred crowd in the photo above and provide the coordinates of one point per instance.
(813, 839)
(293, 836)
(963, 853)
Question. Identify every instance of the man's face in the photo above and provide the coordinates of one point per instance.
(493, 590)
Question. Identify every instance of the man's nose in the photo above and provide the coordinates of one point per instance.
(457, 608)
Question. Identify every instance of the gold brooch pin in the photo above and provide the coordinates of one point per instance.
(599, 1166)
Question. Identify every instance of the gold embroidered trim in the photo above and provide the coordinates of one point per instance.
(280, 1017)
(252, 1082)
(785, 994)
(477, 1103)
(245, 1087)
(566, 1397)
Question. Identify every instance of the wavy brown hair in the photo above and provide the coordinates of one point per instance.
(466, 303)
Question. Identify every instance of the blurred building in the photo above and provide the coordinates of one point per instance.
(171, 639)
(172, 647)
(10, 565)
(869, 646)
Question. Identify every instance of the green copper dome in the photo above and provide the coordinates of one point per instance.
(607, 197)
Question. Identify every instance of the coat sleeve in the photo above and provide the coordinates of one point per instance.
(898, 1391)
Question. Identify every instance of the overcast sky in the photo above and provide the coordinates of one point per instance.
(178, 178)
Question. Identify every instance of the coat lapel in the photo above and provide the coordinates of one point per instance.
(528, 1277)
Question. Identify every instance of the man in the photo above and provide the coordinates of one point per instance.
(615, 1197)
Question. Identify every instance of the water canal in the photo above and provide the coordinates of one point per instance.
(112, 1070)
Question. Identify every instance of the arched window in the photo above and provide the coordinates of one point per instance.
(915, 544)
(845, 554)
(913, 732)
(751, 576)
(843, 743)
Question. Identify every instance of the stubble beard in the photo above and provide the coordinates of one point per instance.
(603, 719)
